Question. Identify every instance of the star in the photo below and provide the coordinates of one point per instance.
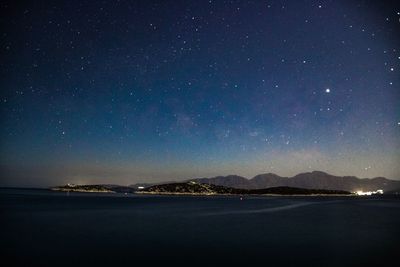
(194, 89)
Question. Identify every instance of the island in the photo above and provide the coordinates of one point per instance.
(194, 188)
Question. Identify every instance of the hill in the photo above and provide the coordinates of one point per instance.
(194, 188)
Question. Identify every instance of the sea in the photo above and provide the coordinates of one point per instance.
(47, 228)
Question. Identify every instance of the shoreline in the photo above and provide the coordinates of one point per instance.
(201, 194)
(82, 190)
(240, 195)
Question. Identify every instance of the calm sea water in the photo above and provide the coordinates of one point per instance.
(44, 228)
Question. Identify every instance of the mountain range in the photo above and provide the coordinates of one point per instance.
(309, 180)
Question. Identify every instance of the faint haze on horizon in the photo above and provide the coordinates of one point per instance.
(149, 91)
(125, 175)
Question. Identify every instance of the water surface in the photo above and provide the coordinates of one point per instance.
(45, 228)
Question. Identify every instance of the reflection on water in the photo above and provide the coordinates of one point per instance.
(249, 211)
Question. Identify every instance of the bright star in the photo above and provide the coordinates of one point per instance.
(327, 90)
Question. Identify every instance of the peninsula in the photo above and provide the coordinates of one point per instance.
(194, 188)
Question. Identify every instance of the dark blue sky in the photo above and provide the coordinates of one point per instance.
(135, 91)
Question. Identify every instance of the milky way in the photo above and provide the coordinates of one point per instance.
(136, 91)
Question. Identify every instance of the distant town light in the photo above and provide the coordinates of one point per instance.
(369, 193)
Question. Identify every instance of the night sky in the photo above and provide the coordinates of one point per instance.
(142, 91)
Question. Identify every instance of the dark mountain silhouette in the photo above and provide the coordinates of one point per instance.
(309, 180)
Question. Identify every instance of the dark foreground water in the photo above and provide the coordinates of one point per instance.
(43, 228)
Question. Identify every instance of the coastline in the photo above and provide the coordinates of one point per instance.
(241, 195)
(201, 194)
(82, 190)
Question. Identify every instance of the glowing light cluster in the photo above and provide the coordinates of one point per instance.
(369, 193)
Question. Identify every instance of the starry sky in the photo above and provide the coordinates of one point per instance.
(142, 91)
